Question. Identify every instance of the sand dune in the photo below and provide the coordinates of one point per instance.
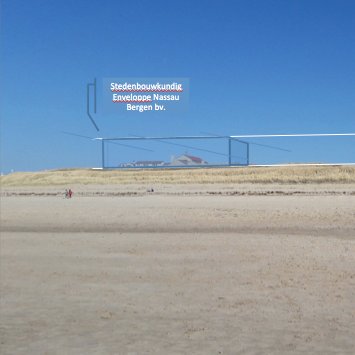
(266, 175)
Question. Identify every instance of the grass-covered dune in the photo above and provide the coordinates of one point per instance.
(285, 174)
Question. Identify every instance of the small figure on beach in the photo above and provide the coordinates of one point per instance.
(68, 193)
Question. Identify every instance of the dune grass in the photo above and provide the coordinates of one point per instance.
(265, 175)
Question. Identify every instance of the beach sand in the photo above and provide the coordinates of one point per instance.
(183, 270)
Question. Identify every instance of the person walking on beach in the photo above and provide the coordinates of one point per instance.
(70, 193)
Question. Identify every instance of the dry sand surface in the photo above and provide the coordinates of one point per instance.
(212, 269)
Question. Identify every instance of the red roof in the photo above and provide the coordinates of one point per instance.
(194, 159)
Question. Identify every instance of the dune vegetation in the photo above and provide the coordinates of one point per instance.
(284, 175)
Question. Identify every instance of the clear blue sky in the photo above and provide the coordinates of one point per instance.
(255, 66)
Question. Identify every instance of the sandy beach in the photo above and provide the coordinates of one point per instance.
(177, 177)
(184, 270)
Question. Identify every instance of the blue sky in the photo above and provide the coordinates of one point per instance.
(255, 66)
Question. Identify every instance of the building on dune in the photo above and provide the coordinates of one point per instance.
(143, 163)
(183, 160)
(186, 160)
